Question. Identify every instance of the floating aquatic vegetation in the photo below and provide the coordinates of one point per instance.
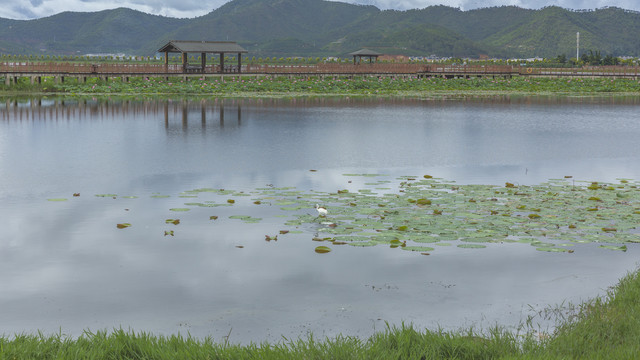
(245, 218)
(613, 247)
(550, 216)
(322, 249)
(123, 225)
(172, 221)
(418, 248)
(471, 246)
(554, 249)
(241, 217)
(57, 199)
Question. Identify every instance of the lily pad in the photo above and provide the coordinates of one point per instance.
(322, 249)
(471, 246)
(418, 248)
(613, 247)
(552, 249)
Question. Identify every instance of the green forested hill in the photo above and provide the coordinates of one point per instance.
(553, 30)
(328, 28)
(118, 30)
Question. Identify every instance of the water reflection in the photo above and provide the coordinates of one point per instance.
(213, 113)
(64, 107)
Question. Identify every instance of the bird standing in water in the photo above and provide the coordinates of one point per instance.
(321, 211)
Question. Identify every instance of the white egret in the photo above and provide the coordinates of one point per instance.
(321, 210)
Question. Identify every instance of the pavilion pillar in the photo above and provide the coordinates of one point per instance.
(239, 63)
(204, 61)
(166, 60)
(184, 61)
(222, 63)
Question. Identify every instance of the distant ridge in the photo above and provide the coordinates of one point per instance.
(289, 28)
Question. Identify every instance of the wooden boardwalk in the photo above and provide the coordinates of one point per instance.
(12, 71)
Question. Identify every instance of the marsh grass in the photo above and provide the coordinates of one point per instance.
(604, 328)
(300, 86)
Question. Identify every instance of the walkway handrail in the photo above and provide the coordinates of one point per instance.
(122, 69)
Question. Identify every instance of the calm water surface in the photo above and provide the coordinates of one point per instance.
(64, 266)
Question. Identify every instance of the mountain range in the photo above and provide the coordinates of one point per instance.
(290, 28)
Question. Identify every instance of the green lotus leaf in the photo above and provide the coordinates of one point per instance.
(418, 248)
(613, 247)
(240, 217)
(471, 246)
(322, 249)
(552, 249)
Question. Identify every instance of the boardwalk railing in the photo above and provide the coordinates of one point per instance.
(470, 69)
(105, 69)
(115, 69)
(587, 71)
(86, 69)
(376, 68)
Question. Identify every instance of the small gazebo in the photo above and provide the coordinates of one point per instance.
(203, 48)
(365, 53)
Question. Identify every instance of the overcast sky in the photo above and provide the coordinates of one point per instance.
(30, 9)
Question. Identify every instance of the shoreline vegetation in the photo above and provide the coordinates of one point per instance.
(603, 328)
(280, 86)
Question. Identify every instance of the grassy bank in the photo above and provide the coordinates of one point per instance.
(605, 328)
(368, 86)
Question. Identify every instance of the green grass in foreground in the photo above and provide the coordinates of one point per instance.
(329, 86)
(605, 328)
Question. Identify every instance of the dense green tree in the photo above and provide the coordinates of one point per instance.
(610, 60)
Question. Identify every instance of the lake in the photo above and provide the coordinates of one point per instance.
(66, 265)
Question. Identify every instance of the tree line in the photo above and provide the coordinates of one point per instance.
(591, 58)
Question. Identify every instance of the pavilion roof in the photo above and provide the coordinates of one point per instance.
(365, 52)
(218, 47)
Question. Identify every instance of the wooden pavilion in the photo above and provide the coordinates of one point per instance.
(203, 48)
(365, 53)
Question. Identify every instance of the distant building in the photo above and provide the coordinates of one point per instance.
(394, 58)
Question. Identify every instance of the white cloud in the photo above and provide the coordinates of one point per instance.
(29, 9)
